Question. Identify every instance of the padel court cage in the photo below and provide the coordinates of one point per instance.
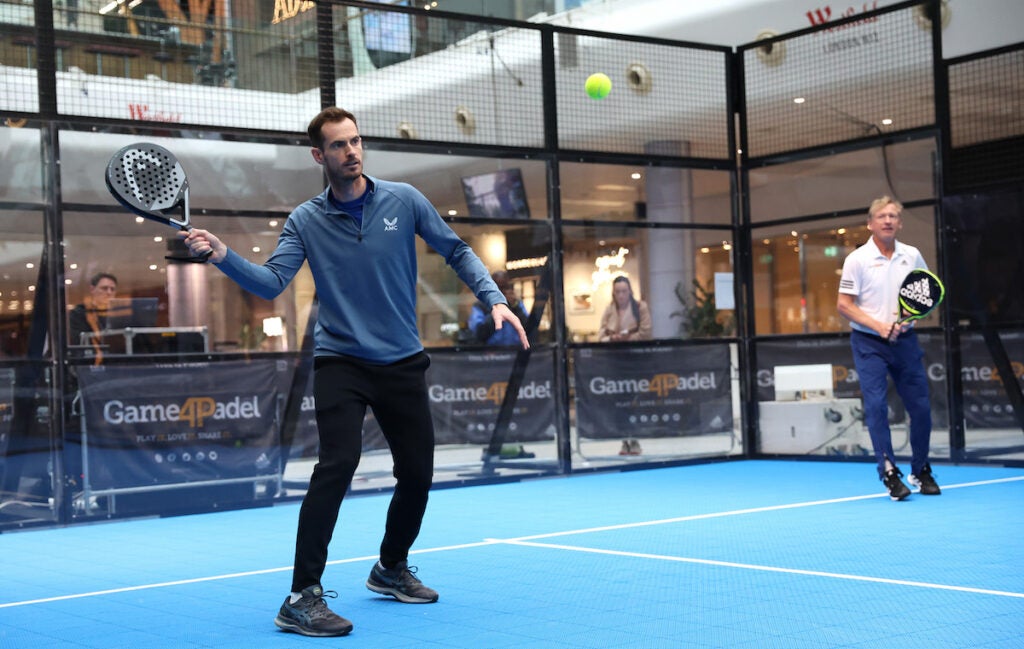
(726, 184)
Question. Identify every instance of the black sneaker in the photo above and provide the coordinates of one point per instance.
(310, 615)
(897, 490)
(924, 481)
(401, 583)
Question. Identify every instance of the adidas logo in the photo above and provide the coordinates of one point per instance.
(919, 292)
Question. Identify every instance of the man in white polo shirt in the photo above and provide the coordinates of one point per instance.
(869, 299)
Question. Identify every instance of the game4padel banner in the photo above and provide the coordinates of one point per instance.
(171, 424)
(652, 391)
(467, 389)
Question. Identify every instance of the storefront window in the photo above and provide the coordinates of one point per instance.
(683, 276)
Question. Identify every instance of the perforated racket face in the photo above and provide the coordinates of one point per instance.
(921, 292)
(149, 180)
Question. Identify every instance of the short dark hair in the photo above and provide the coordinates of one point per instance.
(98, 276)
(327, 115)
(501, 278)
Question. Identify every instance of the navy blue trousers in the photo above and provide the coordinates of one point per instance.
(343, 387)
(875, 360)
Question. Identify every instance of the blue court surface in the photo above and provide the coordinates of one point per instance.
(744, 554)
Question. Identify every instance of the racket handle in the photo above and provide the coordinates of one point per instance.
(197, 259)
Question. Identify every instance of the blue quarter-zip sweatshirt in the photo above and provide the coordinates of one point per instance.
(365, 275)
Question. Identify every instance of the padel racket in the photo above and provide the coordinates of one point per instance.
(920, 293)
(148, 180)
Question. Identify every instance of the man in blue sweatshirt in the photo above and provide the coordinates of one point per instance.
(359, 239)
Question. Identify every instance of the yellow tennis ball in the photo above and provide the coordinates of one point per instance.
(598, 85)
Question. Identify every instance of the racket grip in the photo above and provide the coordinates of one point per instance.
(197, 259)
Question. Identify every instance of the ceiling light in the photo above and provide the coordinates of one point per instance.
(886, 121)
(798, 100)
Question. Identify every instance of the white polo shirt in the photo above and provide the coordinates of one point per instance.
(874, 279)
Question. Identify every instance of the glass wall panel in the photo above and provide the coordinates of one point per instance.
(449, 314)
(257, 184)
(653, 403)
(992, 428)
(603, 192)
(465, 186)
(683, 276)
(29, 465)
(797, 269)
(814, 418)
(843, 181)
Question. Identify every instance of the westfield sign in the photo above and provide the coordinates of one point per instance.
(822, 15)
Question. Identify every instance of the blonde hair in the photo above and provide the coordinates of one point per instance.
(879, 203)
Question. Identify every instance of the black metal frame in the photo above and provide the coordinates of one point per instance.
(51, 122)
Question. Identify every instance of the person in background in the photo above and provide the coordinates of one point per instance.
(91, 315)
(482, 324)
(869, 299)
(359, 239)
(626, 318)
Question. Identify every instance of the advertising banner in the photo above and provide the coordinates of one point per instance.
(652, 391)
(466, 390)
(846, 385)
(180, 423)
(985, 401)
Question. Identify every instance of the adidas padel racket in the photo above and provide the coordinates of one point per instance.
(148, 180)
(920, 293)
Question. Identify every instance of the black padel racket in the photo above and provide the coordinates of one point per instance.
(920, 293)
(148, 180)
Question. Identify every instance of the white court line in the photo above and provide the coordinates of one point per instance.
(523, 540)
(737, 512)
(234, 575)
(752, 566)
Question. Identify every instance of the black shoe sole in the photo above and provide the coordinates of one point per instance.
(287, 625)
(381, 589)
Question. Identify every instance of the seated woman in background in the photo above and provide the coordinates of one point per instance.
(626, 318)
